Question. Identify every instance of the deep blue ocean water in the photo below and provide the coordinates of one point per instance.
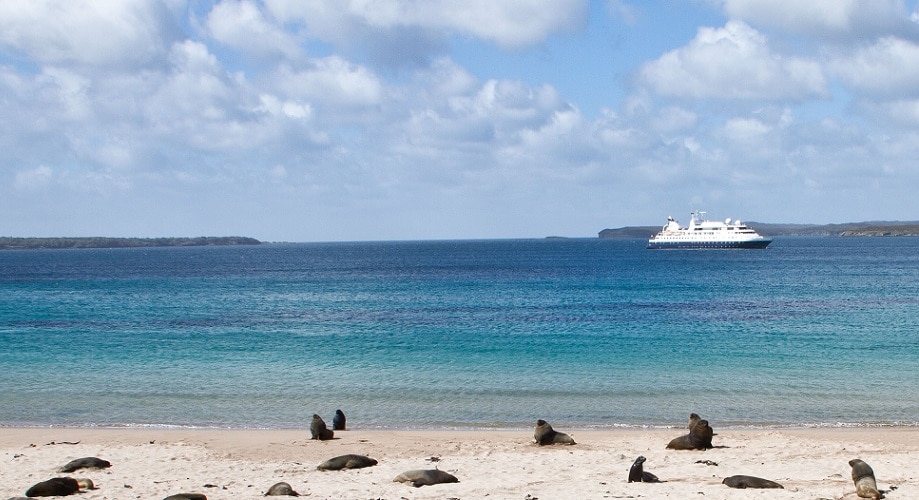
(584, 333)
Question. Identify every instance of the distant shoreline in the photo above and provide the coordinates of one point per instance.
(872, 228)
(10, 243)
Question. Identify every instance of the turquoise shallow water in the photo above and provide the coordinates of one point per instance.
(589, 333)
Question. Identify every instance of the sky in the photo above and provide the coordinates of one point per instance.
(361, 120)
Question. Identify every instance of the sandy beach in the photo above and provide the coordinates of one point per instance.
(225, 464)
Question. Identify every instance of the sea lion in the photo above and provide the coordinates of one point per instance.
(637, 473)
(863, 476)
(427, 477)
(86, 484)
(545, 434)
(347, 462)
(54, 487)
(86, 463)
(693, 420)
(281, 489)
(338, 421)
(319, 430)
(743, 482)
(187, 496)
(699, 438)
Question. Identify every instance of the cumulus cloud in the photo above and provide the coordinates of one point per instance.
(734, 62)
(86, 31)
(889, 68)
(510, 24)
(822, 18)
(242, 25)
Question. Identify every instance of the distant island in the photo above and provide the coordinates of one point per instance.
(9, 243)
(874, 228)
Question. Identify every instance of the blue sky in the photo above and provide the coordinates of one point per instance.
(287, 120)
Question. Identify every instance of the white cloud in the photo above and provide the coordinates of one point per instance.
(86, 31)
(734, 62)
(889, 68)
(827, 18)
(333, 83)
(508, 23)
(36, 178)
(241, 25)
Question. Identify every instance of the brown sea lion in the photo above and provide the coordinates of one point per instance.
(693, 420)
(545, 434)
(86, 463)
(187, 496)
(318, 429)
(699, 438)
(425, 477)
(54, 487)
(347, 462)
(338, 421)
(281, 489)
(863, 476)
(637, 473)
(743, 482)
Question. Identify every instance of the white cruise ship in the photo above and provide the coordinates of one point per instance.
(702, 233)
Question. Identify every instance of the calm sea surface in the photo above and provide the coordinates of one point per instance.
(462, 334)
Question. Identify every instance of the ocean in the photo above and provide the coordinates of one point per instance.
(584, 333)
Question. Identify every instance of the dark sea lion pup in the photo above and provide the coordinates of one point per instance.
(545, 434)
(743, 482)
(637, 473)
(338, 421)
(865, 484)
(419, 478)
(54, 487)
(187, 496)
(86, 463)
(699, 438)
(347, 462)
(280, 490)
(319, 430)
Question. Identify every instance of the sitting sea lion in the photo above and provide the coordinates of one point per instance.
(699, 438)
(545, 434)
(865, 484)
(54, 487)
(281, 489)
(743, 482)
(427, 477)
(319, 430)
(86, 463)
(347, 462)
(338, 421)
(187, 496)
(637, 473)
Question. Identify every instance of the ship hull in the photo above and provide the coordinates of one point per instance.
(708, 245)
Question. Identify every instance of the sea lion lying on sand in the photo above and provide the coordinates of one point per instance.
(545, 434)
(637, 473)
(318, 429)
(743, 482)
(427, 477)
(281, 489)
(187, 496)
(347, 462)
(699, 438)
(54, 487)
(863, 476)
(86, 463)
(338, 421)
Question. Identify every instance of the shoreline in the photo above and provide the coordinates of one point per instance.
(500, 464)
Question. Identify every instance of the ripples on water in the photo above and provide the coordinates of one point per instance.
(593, 333)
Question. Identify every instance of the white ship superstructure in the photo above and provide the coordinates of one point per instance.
(703, 233)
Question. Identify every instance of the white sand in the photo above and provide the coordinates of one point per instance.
(152, 464)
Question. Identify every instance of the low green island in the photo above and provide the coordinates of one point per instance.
(11, 243)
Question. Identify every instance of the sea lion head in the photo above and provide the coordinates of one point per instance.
(86, 484)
